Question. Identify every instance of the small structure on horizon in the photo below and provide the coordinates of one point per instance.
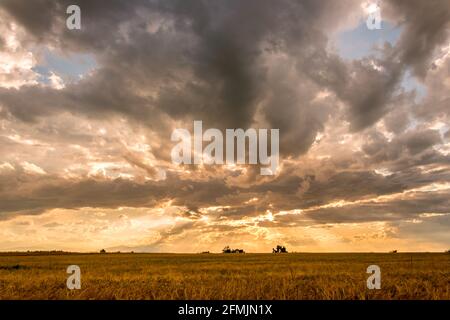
(393, 251)
(279, 249)
(103, 251)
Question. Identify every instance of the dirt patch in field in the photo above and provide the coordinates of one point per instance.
(14, 267)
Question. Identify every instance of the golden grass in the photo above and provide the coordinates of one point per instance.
(226, 276)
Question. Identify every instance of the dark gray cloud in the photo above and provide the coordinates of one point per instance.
(221, 48)
(27, 193)
(412, 143)
(395, 210)
(426, 26)
(204, 62)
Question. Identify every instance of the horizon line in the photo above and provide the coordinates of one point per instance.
(209, 252)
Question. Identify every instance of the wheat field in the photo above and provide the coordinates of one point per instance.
(225, 276)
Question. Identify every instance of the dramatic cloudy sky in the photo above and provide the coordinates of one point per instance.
(86, 118)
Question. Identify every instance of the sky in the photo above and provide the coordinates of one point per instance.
(86, 118)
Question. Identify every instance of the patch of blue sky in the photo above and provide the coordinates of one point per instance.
(69, 67)
(410, 83)
(361, 41)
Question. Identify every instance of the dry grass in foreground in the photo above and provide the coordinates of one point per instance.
(226, 276)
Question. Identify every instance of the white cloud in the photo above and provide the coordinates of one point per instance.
(32, 168)
(16, 62)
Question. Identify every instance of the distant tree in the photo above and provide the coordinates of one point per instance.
(394, 251)
(227, 249)
(103, 251)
